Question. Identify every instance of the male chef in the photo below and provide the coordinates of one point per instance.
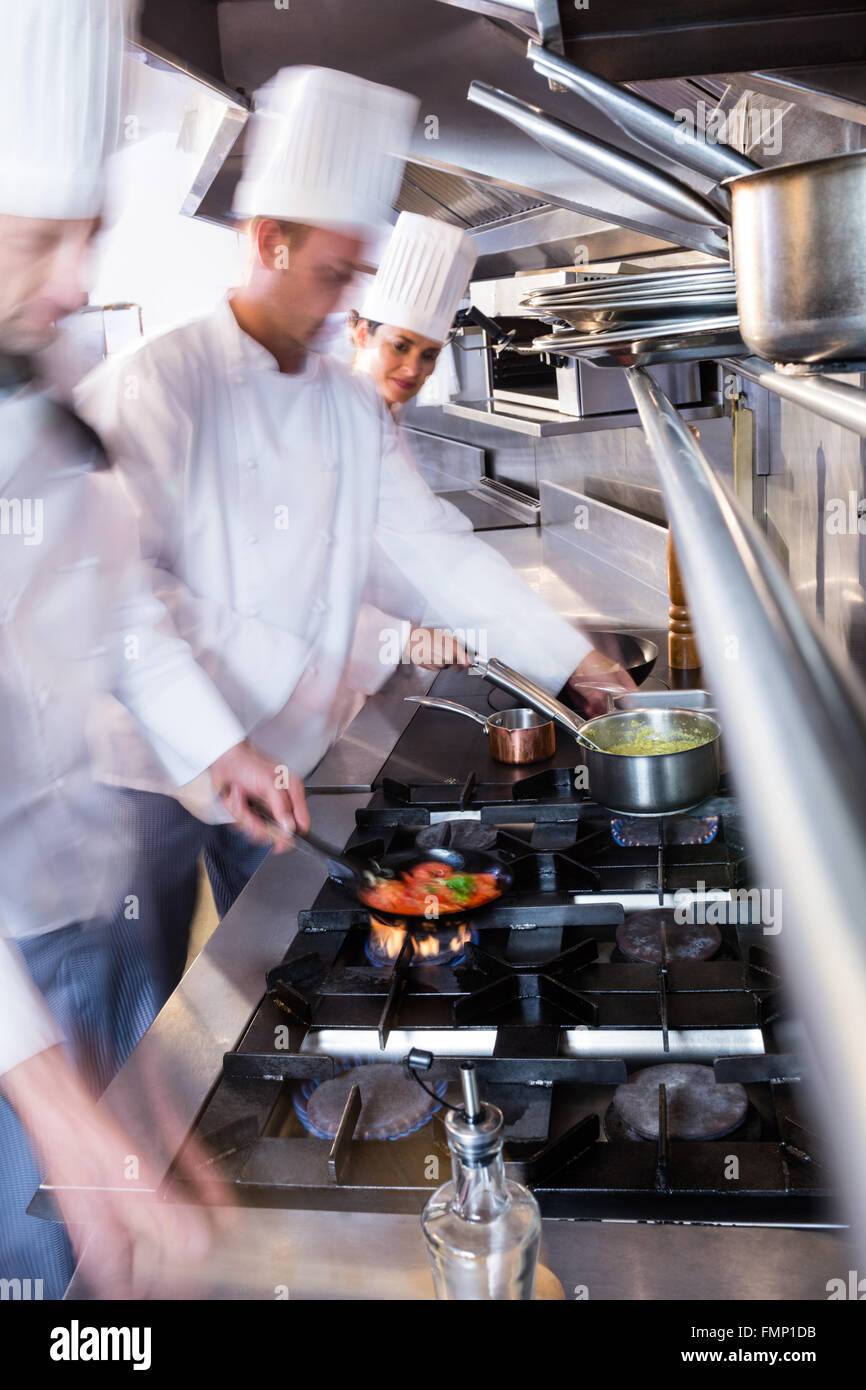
(78, 617)
(273, 493)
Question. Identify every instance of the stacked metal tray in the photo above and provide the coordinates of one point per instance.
(632, 320)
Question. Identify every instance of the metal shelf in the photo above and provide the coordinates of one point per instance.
(543, 423)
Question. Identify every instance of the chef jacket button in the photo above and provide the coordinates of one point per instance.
(249, 464)
(326, 538)
(252, 540)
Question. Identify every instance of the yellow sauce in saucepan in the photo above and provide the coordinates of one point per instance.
(647, 741)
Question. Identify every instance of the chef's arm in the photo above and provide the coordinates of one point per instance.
(466, 584)
(84, 1157)
(180, 711)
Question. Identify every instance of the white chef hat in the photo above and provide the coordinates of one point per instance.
(422, 276)
(59, 103)
(325, 148)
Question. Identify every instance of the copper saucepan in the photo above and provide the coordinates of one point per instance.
(515, 735)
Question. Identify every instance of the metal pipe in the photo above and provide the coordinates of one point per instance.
(642, 120)
(795, 725)
(844, 405)
(625, 172)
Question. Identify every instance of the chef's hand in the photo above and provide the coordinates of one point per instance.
(132, 1244)
(246, 779)
(435, 647)
(595, 678)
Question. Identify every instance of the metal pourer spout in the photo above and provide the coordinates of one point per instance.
(471, 1101)
(475, 1130)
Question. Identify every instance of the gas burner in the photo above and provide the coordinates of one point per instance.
(444, 947)
(538, 988)
(457, 834)
(675, 830)
(392, 1105)
(698, 1107)
(642, 936)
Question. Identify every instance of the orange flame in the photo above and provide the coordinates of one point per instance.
(387, 940)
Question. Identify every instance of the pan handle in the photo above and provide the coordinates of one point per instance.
(320, 848)
(643, 120)
(516, 684)
(625, 172)
(446, 704)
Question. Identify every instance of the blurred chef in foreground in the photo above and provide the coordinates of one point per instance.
(79, 619)
(293, 534)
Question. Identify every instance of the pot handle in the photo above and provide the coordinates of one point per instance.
(643, 120)
(516, 684)
(446, 704)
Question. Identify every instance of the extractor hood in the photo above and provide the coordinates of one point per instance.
(527, 207)
(635, 39)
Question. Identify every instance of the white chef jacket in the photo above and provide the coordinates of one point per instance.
(77, 617)
(273, 505)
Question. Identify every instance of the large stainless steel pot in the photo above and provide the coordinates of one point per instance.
(631, 784)
(799, 234)
(653, 784)
(799, 251)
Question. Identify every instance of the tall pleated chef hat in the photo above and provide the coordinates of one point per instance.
(59, 103)
(325, 148)
(422, 276)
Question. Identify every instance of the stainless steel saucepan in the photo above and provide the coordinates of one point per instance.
(799, 250)
(632, 784)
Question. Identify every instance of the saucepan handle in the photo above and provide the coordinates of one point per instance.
(516, 684)
(437, 703)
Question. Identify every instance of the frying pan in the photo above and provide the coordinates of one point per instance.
(798, 246)
(356, 878)
(636, 655)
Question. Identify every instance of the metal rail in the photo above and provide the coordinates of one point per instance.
(794, 717)
(834, 400)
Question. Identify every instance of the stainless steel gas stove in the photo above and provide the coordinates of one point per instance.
(623, 1003)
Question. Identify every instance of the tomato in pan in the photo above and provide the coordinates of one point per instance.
(410, 895)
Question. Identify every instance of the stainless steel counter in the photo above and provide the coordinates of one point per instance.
(272, 1253)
